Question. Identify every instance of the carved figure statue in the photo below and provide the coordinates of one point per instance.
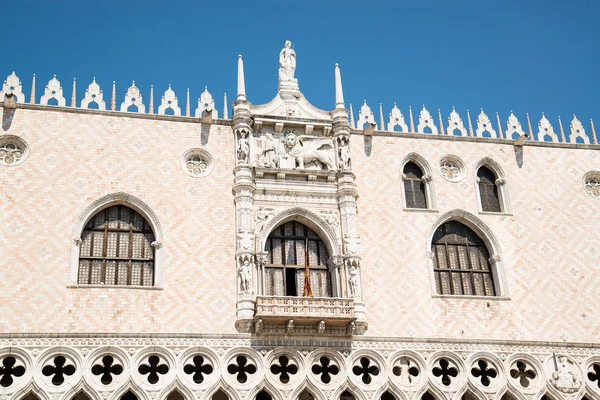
(287, 62)
(344, 154)
(268, 157)
(321, 327)
(245, 276)
(563, 378)
(243, 151)
(294, 148)
(353, 281)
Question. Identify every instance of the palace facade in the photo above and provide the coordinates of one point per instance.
(280, 251)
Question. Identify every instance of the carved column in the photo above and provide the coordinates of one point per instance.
(243, 190)
(350, 274)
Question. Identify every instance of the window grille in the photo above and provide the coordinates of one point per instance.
(116, 249)
(460, 262)
(292, 247)
(488, 191)
(414, 187)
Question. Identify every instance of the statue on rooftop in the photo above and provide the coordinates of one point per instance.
(287, 62)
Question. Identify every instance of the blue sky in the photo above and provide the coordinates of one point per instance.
(526, 56)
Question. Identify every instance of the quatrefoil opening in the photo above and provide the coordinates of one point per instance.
(325, 369)
(242, 368)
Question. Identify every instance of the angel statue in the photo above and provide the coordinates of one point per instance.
(287, 62)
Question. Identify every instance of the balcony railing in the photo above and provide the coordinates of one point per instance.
(334, 311)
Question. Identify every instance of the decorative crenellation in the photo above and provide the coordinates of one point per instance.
(54, 92)
(484, 127)
(289, 364)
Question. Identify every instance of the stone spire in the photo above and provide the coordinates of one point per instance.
(562, 131)
(412, 122)
(529, 126)
(151, 101)
(594, 139)
(381, 121)
(441, 122)
(74, 94)
(32, 97)
(339, 93)
(241, 88)
(113, 100)
(500, 133)
(470, 124)
(187, 103)
(352, 117)
(225, 110)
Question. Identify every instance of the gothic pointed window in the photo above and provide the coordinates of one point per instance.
(488, 191)
(116, 249)
(414, 186)
(461, 262)
(295, 253)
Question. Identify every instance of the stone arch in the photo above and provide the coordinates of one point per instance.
(488, 237)
(176, 387)
(501, 183)
(225, 389)
(308, 387)
(130, 387)
(433, 391)
(109, 200)
(312, 220)
(422, 163)
(391, 390)
(78, 392)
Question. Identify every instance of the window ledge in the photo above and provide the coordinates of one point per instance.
(496, 213)
(423, 210)
(466, 297)
(114, 287)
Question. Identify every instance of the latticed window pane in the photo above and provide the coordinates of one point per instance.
(488, 191)
(414, 188)
(301, 249)
(461, 261)
(116, 249)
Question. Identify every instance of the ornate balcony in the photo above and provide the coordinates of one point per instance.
(305, 313)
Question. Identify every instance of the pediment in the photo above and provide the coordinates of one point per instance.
(290, 104)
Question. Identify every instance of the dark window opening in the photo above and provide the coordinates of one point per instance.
(461, 261)
(116, 249)
(414, 187)
(488, 191)
(293, 250)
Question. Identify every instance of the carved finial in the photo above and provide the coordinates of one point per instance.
(32, 97)
(74, 94)
(113, 100)
(241, 89)
(187, 103)
(500, 133)
(151, 101)
(441, 123)
(470, 124)
(339, 93)
(594, 139)
(529, 125)
(225, 109)
(352, 118)
(412, 123)
(381, 121)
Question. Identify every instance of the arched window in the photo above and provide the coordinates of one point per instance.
(219, 395)
(428, 396)
(129, 396)
(488, 191)
(414, 187)
(461, 261)
(293, 249)
(263, 395)
(116, 249)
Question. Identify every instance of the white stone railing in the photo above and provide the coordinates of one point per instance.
(304, 308)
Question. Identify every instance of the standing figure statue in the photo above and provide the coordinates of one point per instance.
(245, 276)
(243, 151)
(353, 280)
(287, 62)
(269, 152)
